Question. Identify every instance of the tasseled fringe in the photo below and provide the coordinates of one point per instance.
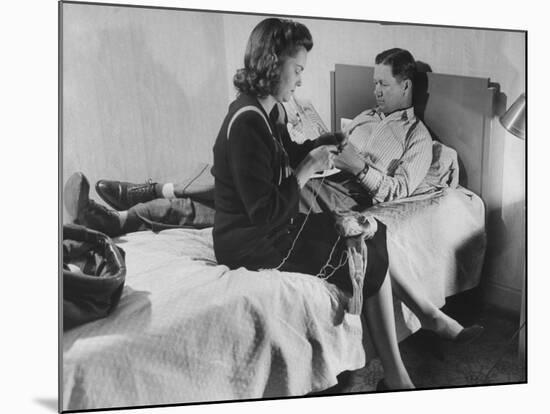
(354, 228)
(357, 254)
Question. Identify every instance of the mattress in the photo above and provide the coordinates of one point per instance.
(189, 330)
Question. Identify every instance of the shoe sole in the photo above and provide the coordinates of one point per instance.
(75, 194)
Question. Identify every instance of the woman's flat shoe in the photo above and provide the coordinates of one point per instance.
(381, 386)
(469, 334)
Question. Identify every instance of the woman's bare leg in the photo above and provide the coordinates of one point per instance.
(411, 292)
(381, 326)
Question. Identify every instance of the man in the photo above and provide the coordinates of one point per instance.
(389, 150)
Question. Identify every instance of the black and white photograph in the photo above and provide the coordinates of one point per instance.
(262, 206)
(289, 207)
(265, 206)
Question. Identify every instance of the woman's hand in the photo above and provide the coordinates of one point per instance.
(349, 160)
(318, 159)
(322, 158)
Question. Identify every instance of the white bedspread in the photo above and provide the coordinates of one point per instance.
(438, 239)
(189, 330)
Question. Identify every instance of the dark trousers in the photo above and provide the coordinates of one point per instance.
(336, 193)
(164, 213)
(195, 209)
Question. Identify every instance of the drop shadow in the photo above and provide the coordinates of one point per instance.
(51, 404)
(420, 90)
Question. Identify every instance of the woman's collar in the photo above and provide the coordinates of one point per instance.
(267, 103)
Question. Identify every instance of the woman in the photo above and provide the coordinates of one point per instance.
(258, 176)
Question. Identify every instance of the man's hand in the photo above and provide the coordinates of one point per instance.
(349, 160)
(338, 139)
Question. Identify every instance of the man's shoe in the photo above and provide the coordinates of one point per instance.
(87, 212)
(76, 194)
(121, 195)
(382, 386)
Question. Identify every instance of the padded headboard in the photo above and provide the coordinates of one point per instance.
(458, 111)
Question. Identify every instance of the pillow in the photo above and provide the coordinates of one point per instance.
(444, 169)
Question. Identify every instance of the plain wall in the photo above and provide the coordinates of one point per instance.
(145, 91)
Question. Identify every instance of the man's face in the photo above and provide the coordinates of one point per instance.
(390, 93)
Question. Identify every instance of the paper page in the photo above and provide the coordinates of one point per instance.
(304, 121)
(344, 123)
(326, 173)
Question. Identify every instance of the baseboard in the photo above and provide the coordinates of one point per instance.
(503, 297)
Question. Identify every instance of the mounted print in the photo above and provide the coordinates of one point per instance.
(262, 207)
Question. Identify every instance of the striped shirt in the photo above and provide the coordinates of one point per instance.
(397, 149)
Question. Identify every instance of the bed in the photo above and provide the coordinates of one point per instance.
(188, 330)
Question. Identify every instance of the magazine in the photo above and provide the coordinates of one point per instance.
(305, 123)
(303, 120)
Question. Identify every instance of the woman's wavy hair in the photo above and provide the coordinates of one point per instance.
(271, 41)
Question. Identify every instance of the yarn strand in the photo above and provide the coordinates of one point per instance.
(301, 227)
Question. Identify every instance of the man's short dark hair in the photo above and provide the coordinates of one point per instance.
(271, 41)
(401, 61)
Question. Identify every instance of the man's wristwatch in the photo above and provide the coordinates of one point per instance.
(361, 174)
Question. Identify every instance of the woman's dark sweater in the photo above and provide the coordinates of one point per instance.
(256, 192)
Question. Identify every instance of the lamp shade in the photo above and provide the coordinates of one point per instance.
(514, 118)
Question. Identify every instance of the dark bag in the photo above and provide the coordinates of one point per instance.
(93, 275)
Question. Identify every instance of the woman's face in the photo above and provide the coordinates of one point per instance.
(291, 75)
